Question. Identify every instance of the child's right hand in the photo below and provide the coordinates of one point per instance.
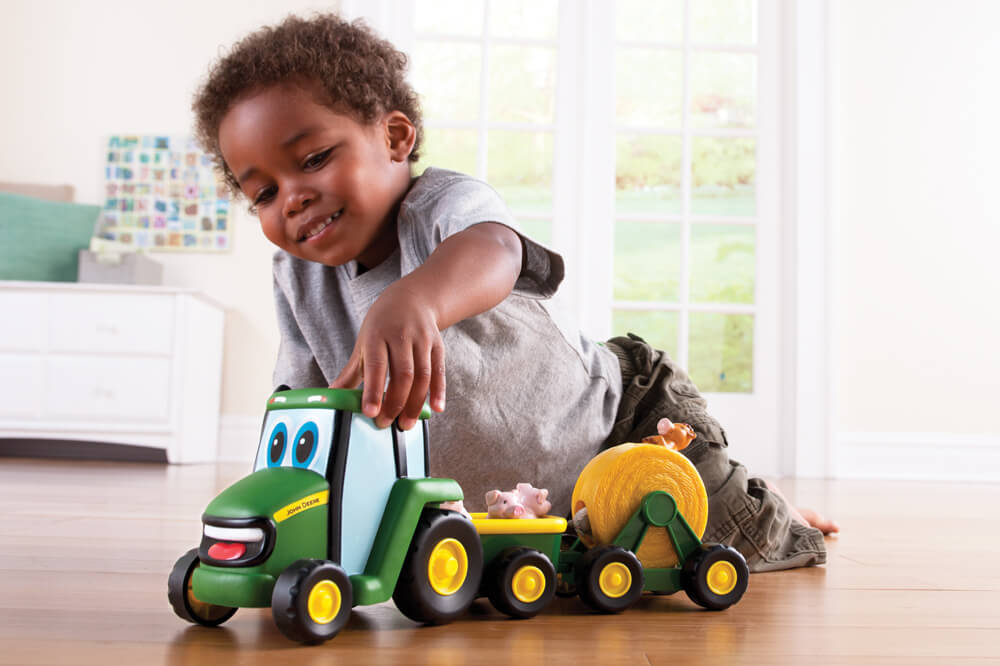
(399, 338)
(468, 273)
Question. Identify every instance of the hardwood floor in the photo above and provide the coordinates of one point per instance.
(85, 549)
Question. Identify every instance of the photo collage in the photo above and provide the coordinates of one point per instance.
(162, 193)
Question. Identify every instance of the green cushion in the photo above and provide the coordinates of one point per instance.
(41, 240)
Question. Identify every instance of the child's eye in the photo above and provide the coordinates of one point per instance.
(263, 196)
(317, 160)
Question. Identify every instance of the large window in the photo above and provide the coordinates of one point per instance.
(679, 244)
(486, 72)
(685, 174)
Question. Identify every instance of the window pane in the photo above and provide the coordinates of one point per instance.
(723, 175)
(454, 17)
(723, 89)
(520, 168)
(525, 19)
(722, 263)
(449, 149)
(648, 87)
(724, 21)
(647, 261)
(447, 76)
(645, 21)
(721, 352)
(659, 329)
(538, 229)
(648, 175)
(522, 84)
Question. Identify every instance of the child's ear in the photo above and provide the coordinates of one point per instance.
(400, 135)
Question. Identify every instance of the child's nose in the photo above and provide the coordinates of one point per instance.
(298, 201)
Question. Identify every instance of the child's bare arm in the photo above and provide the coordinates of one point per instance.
(469, 273)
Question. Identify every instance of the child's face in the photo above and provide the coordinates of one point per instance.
(324, 185)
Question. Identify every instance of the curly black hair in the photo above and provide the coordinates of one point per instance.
(352, 69)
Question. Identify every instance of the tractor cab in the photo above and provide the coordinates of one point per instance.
(324, 431)
(321, 481)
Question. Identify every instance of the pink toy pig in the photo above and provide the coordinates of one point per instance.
(534, 499)
(504, 504)
(458, 506)
(525, 501)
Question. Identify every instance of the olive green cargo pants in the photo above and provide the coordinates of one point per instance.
(742, 512)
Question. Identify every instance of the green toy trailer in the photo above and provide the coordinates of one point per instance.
(343, 514)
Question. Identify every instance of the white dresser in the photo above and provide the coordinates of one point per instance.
(110, 363)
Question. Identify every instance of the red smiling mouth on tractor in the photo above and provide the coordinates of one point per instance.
(231, 542)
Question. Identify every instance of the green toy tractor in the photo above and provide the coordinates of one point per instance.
(338, 513)
(335, 514)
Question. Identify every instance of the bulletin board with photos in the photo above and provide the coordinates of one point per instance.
(163, 194)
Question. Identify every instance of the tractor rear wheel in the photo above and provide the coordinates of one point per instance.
(443, 568)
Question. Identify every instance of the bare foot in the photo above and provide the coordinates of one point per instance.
(822, 523)
(806, 516)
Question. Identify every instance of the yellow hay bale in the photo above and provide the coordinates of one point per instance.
(614, 482)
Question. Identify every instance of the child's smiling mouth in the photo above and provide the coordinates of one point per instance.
(316, 226)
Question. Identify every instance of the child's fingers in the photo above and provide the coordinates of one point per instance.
(418, 390)
(374, 366)
(437, 387)
(350, 377)
(400, 381)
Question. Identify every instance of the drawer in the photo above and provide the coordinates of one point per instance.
(120, 389)
(123, 323)
(20, 386)
(23, 316)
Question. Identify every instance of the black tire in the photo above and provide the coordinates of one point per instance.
(609, 579)
(311, 601)
(454, 543)
(715, 577)
(182, 599)
(521, 583)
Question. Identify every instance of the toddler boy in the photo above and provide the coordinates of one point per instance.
(425, 282)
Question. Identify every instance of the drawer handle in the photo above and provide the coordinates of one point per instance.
(100, 392)
(108, 329)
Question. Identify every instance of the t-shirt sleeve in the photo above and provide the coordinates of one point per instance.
(296, 366)
(463, 202)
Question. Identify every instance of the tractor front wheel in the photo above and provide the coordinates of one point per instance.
(182, 599)
(443, 568)
(311, 601)
(715, 577)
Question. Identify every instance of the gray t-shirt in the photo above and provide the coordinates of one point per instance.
(528, 399)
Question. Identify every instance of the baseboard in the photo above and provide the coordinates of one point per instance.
(917, 456)
(239, 435)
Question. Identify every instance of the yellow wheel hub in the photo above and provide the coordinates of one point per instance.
(205, 611)
(615, 580)
(324, 602)
(721, 578)
(528, 584)
(447, 567)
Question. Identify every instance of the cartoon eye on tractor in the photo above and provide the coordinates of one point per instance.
(338, 513)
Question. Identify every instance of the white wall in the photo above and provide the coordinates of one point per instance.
(916, 172)
(72, 73)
